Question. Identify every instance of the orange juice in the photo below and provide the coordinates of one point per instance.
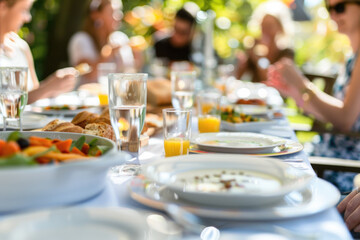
(208, 124)
(176, 146)
(206, 108)
(103, 98)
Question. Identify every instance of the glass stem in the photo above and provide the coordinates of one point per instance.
(4, 123)
(20, 124)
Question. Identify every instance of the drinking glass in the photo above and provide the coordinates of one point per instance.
(13, 94)
(182, 89)
(103, 70)
(127, 105)
(208, 102)
(177, 131)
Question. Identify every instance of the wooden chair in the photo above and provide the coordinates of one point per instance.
(320, 164)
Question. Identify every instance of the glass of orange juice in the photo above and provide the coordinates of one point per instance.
(103, 70)
(177, 131)
(208, 103)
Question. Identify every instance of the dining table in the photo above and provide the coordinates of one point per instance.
(327, 222)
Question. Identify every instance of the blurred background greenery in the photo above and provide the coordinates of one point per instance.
(317, 44)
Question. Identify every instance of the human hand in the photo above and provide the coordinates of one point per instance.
(291, 74)
(350, 206)
(276, 80)
(63, 80)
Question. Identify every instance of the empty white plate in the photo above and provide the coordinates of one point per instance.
(242, 142)
(76, 224)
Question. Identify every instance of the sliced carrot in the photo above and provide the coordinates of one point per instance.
(98, 153)
(38, 141)
(85, 148)
(77, 151)
(43, 160)
(55, 141)
(64, 146)
(11, 148)
(2, 146)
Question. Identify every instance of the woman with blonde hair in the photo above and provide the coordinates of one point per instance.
(274, 19)
(99, 42)
(15, 52)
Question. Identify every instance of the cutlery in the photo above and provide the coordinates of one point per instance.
(210, 230)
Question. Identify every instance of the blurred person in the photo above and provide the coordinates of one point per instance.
(343, 108)
(99, 42)
(15, 52)
(177, 47)
(276, 24)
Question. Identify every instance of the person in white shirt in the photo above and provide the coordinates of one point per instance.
(15, 52)
(99, 42)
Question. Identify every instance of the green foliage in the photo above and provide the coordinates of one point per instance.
(311, 43)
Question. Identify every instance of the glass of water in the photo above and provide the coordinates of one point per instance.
(13, 94)
(127, 105)
(182, 89)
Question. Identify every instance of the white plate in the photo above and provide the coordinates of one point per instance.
(316, 197)
(30, 121)
(73, 99)
(76, 223)
(64, 112)
(54, 185)
(247, 126)
(206, 179)
(242, 142)
(252, 109)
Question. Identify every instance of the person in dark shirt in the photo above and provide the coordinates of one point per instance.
(177, 47)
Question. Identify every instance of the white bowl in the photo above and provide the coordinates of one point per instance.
(53, 185)
(178, 174)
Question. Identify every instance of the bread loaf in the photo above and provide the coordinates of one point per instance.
(101, 130)
(61, 126)
(84, 118)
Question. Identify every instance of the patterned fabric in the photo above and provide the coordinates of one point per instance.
(340, 146)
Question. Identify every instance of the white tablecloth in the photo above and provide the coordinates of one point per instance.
(116, 194)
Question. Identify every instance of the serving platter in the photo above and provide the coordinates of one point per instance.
(37, 186)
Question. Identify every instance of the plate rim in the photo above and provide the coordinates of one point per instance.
(251, 214)
(239, 148)
(95, 160)
(91, 213)
(296, 146)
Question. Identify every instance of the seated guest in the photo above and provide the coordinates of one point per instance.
(342, 110)
(274, 43)
(177, 47)
(15, 52)
(99, 42)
